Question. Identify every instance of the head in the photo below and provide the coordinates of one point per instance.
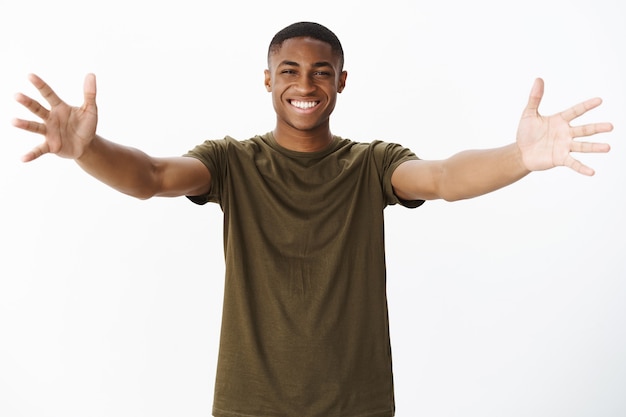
(305, 74)
(307, 30)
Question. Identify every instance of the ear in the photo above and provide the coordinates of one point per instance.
(268, 81)
(342, 81)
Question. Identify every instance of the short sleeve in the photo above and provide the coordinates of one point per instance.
(390, 156)
(212, 153)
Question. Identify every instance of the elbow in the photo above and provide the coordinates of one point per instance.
(138, 196)
(145, 193)
(452, 194)
(452, 199)
(143, 197)
(450, 187)
(138, 193)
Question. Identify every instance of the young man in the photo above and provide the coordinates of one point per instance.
(305, 330)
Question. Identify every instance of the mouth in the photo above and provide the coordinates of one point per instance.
(304, 105)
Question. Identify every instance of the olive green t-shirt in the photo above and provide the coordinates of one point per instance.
(305, 327)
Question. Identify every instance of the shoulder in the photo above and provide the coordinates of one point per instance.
(228, 144)
(378, 149)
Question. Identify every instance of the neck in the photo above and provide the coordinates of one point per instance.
(303, 140)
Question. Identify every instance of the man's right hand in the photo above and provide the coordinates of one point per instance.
(67, 130)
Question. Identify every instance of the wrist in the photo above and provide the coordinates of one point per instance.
(89, 149)
(519, 160)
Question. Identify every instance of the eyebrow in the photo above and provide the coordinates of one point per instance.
(316, 65)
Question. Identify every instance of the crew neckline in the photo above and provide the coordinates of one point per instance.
(271, 140)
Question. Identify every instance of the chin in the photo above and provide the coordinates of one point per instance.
(305, 128)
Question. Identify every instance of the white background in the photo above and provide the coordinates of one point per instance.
(512, 304)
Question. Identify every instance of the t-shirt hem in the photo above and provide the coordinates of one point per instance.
(222, 413)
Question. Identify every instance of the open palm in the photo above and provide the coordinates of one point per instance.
(547, 142)
(67, 130)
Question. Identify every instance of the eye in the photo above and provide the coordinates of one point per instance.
(288, 72)
(322, 74)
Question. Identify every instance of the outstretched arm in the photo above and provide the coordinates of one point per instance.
(542, 143)
(70, 132)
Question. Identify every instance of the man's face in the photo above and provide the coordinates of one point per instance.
(304, 77)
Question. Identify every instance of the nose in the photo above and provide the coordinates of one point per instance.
(304, 85)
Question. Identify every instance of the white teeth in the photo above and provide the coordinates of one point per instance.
(303, 104)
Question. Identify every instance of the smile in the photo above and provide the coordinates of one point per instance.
(304, 105)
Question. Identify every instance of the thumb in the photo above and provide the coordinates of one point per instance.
(89, 90)
(536, 94)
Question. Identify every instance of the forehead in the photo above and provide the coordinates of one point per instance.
(303, 50)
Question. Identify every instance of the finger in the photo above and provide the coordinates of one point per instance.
(30, 126)
(36, 152)
(578, 166)
(44, 89)
(589, 147)
(591, 129)
(32, 105)
(580, 109)
(89, 90)
(536, 94)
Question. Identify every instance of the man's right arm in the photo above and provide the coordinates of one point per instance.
(70, 132)
(135, 173)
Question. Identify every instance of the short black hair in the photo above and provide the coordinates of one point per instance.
(307, 30)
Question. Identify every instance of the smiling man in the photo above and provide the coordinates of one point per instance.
(305, 327)
(304, 76)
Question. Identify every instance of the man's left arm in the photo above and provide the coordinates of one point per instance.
(542, 143)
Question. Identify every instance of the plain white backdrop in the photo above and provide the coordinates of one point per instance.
(512, 304)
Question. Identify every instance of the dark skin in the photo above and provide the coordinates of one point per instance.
(304, 78)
